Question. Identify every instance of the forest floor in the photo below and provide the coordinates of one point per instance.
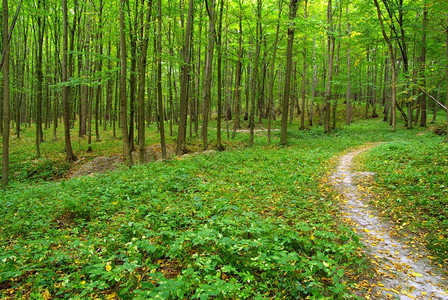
(153, 153)
(402, 268)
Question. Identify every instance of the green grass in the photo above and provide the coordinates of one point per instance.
(26, 167)
(250, 223)
(412, 181)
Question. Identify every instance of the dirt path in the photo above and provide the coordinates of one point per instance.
(401, 272)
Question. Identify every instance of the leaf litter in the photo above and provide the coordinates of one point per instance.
(400, 272)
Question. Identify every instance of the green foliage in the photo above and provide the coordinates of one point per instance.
(254, 223)
(412, 179)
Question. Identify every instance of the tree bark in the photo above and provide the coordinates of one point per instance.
(271, 84)
(141, 85)
(6, 116)
(329, 77)
(422, 67)
(208, 70)
(287, 87)
(238, 71)
(302, 116)
(69, 156)
(219, 145)
(349, 88)
(182, 131)
(254, 81)
(159, 80)
(123, 101)
(446, 105)
(392, 63)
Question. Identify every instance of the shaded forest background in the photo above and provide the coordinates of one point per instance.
(94, 66)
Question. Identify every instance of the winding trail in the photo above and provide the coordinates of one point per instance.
(401, 272)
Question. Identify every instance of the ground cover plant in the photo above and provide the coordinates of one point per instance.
(249, 223)
(412, 187)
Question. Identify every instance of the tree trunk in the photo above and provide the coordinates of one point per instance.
(159, 80)
(254, 81)
(329, 77)
(69, 156)
(422, 67)
(446, 105)
(219, 145)
(208, 70)
(313, 87)
(302, 116)
(238, 71)
(123, 101)
(271, 84)
(392, 62)
(141, 84)
(287, 87)
(40, 78)
(6, 116)
(182, 131)
(349, 88)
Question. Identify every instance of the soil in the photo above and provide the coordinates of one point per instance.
(108, 163)
(401, 272)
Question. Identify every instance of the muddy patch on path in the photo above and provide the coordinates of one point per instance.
(401, 272)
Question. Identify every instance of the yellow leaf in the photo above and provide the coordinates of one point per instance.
(366, 230)
(111, 296)
(108, 268)
(312, 237)
(417, 274)
(46, 294)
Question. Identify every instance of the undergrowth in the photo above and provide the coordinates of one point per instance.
(251, 223)
(412, 183)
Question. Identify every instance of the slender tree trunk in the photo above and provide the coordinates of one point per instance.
(141, 86)
(422, 67)
(182, 130)
(66, 89)
(123, 101)
(40, 78)
(272, 81)
(6, 112)
(446, 105)
(159, 80)
(293, 4)
(302, 116)
(329, 77)
(392, 60)
(208, 70)
(254, 82)
(313, 87)
(219, 145)
(349, 88)
(238, 71)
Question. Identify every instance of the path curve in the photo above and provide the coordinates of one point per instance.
(401, 272)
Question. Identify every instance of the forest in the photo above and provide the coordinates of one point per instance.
(223, 122)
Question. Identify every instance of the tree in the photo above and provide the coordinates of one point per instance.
(141, 86)
(392, 59)
(123, 107)
(446, 105)
(422, 66)
(330, 56)
(6, 111)
(159, 80)
(219, 145)
(182, 131)
(210, 5)
(293, 4)
(69, 156)
(302, 116)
